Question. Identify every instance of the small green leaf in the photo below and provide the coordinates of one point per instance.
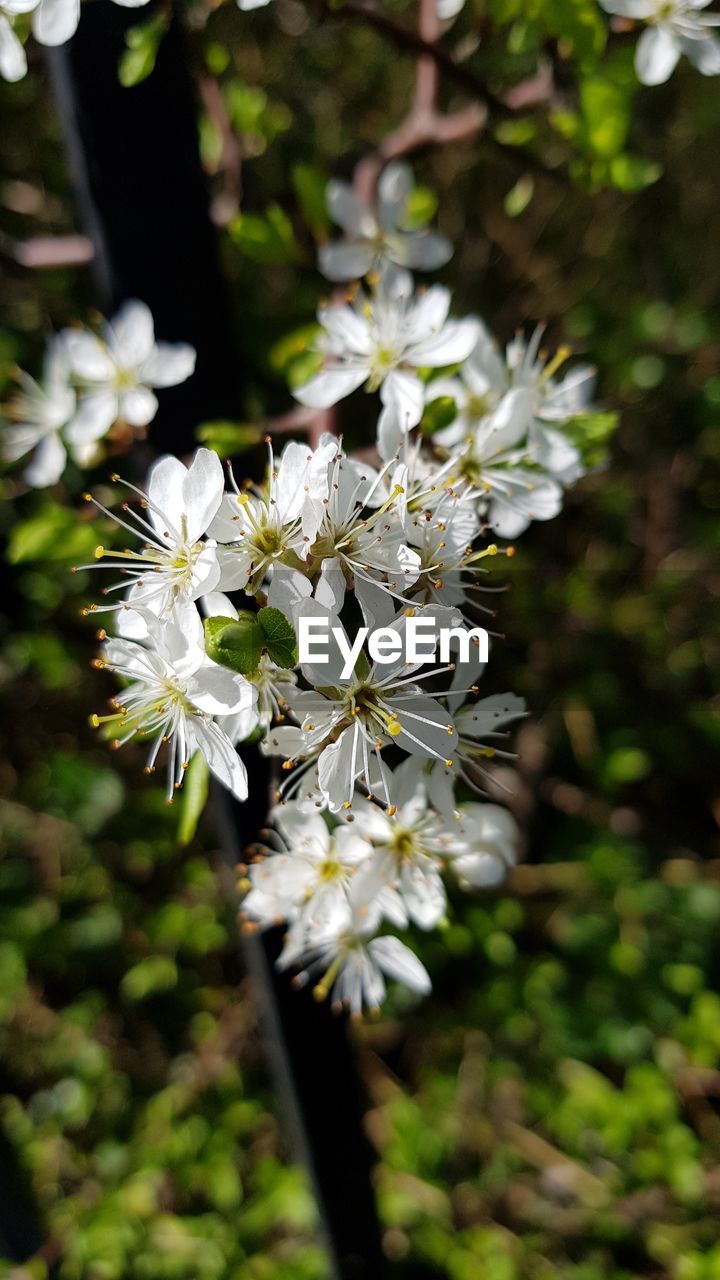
(149, 977)
(265, 237)
(518, 198)
(192, 797)
(228, 438)
(279, 635)
(420, 208)
(143, 42)
(633, 173)
(235, 643)
(54, 533)
(590, 433)
(310, 183)
(439, 413)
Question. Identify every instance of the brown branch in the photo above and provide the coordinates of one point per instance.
(41, 253)
(414, 43)
(423, 125)
(230, 160)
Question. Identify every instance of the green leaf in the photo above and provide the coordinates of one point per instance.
(192, 797)
(265, 237)
(310, 184)
(591, 433)
(420, 209)
(438, 413)
(143, 42)
(280, 640)
(235, 643)
(54, 533)
(228, 438)
(516, 133)
(605, 108)
(518, 198)
(150, 977)
(633, 173)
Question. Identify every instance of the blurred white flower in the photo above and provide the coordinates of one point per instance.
(675, 27)
(490, 835)
(38, 415)
(352, 965)
(307, 879)
(372, 239)
(116, 373)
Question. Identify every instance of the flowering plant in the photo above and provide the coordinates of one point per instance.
(386, 761)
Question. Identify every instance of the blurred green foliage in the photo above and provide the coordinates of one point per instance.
(553, 1110)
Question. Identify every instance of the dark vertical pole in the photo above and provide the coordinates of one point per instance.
(141, 194)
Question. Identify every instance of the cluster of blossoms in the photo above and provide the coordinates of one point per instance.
(53, 22)
(386, 757)
(92, 383)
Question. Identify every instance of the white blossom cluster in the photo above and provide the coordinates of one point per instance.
(53, 22)
(379, 761)
(90, 383)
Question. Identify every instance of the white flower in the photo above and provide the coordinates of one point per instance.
(13, 62)
(408, 851)
(372, 239)
(353, 966)
(350, 722)
(116, 372)
(675, 27)
(40, 412)
(490, 835)
(479, 725)
(258, 530)
(176, 563)
(247, 5)
(55, 21)
(307, 880)
(382, 342)
(174, 694)
(351, 544)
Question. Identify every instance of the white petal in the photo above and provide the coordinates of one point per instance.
(433, 736)
(138, 407)
(222, 758)
(18, 439)
(330, 386)
(451, 345)
(637, 9)
(169, 364)
(339, 766)
(219, 691)
(165, 491)
(656, 55)
(96, 413)
(404, 395)
(13, 63)
(425, 251)
(490, 714)
(394, 187)
(55, 21)
(348, 211)
(202, 492)
(88, 356)
(216, 605)
(131, 334)
(398, 961)
(345, 261)
(48, 464)
(428, 314)
(704, 54)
